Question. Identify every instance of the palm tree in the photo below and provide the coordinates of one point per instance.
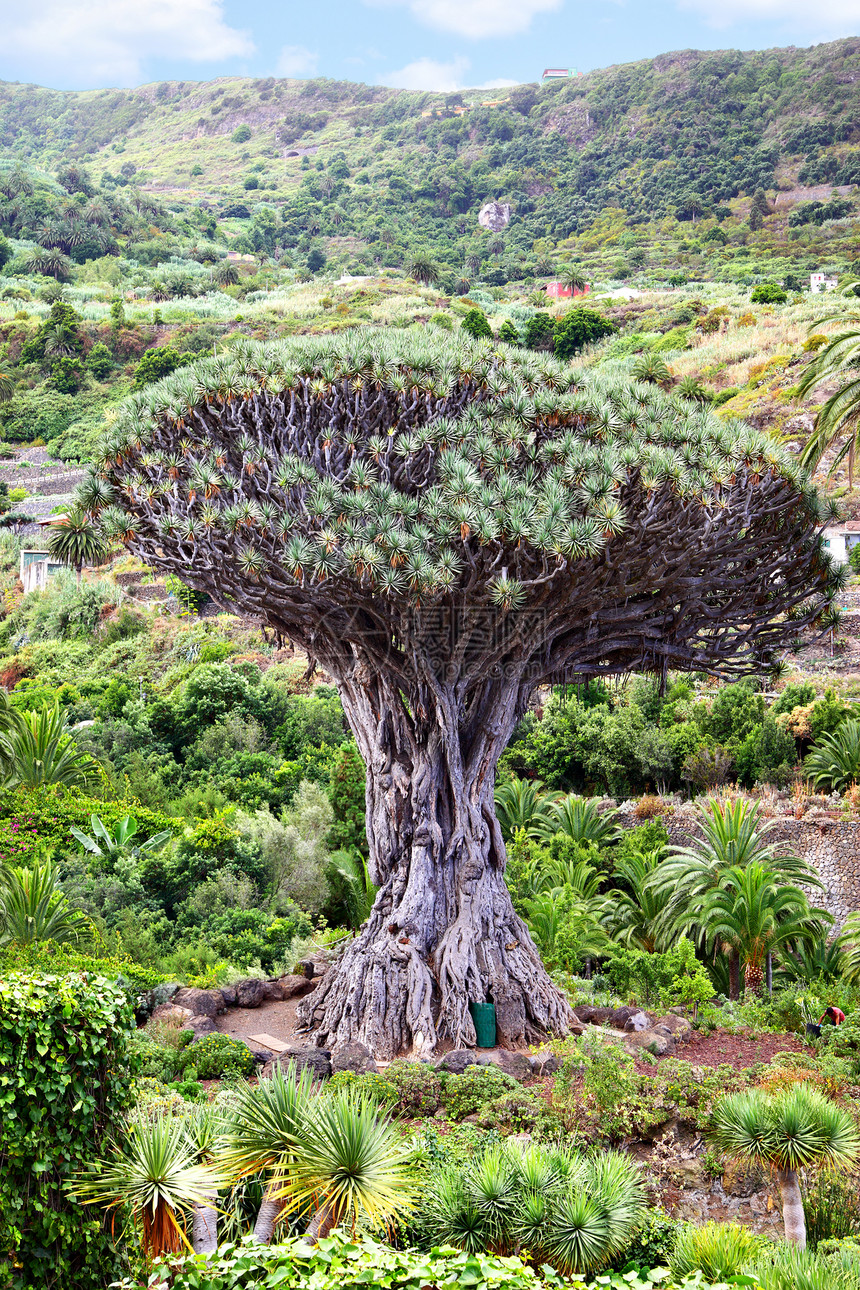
(580, 819)
(840, 414)
(351, 867)
(573, 279)
(733, 835)
(34, 908)
(154, 1171)
(651, 369)
(848, 942)
(753, 913)
(225, 273)
(690, 387)
(834, 762)
(792, 1130)
(50, 262)
(77, 540)
(7, 386)
(521, 804)
(37, 748)
(635, 913)
(422, 268)
(109, 844)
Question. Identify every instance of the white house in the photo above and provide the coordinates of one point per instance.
(36, 568)
(819, 282)
(840, 538)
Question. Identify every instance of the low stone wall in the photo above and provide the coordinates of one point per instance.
(830, 846)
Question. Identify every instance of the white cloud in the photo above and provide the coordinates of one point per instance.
(426, 74)
(826, 17)
(91, 42)
(295, 60)
(477, 18)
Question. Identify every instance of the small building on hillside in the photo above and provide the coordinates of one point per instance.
(36, 568)
(559, 291)
(840, 538)
(559, 73)
(819, 282)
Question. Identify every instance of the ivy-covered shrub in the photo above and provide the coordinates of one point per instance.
(464, 1094)
(215, 1056)
(653, 1242)
(64, 1084)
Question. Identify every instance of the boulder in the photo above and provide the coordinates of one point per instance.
(544, 1063)
(639, 1021)
(353, 1057)
(201, 1025)
(306, 968)
(250, 993)
(514, 1064)
(590, 1016)
(457, 1060)
(162, 993)
(678, 1027)
(619, 1018)
(653, 1041)
(315, 1060)
(494, 216)
(228, 993)
(209, 1003)
(170, 1012)
(290, 987)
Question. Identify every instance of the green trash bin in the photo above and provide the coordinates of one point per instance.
(484, 1017)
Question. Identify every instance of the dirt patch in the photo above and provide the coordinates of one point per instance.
(277, 1019)
(717, 1048)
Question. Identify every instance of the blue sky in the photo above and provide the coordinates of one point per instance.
(416, 44)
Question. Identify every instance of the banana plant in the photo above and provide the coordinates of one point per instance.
(109, 844)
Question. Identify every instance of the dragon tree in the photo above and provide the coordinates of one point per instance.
(444, 526)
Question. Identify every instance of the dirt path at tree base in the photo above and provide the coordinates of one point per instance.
(277, 1019)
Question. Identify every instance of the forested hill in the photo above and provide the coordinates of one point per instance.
(680, 134)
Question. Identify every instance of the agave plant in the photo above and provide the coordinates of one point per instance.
(155, 1172)
(790, 1131)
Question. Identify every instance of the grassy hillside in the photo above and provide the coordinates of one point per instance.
(681, 135)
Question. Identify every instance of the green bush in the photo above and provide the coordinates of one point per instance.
(64, 1088)
(369, 1082)
(475, 323)
(419, 1089)
(216, 1055)
(653, 1241)
(768, 293)
(464, 1094)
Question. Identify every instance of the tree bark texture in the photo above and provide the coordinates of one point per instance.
(793, 1217)
(442, 931)
(268, 1215)
(205, 1229)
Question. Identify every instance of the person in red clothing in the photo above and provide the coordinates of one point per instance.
(834, 1015)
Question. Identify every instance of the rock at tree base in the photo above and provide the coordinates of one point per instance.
(620, 1017)
(316, 1060)
(590, 1016)
(457, 1061)
(208, 1002)
(544, 1063)
(290, 987)
(516, 1065)
(250, 993)
(353, 1057)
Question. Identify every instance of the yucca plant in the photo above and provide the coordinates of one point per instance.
(719, 1251)
(446, 522)
(154, 1171)
(789, 1131)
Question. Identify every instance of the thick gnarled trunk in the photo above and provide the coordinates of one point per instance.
(442, 932)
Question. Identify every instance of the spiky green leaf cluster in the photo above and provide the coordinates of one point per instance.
(390, 461)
